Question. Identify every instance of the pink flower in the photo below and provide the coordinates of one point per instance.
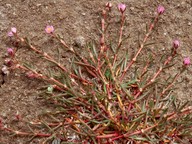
(121, 7)
(10, 34)
(160, 9)
(14, 30)
(49, 29)
(176, 44)
(186, 61)
(10, 51)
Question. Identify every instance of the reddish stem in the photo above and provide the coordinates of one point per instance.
(140, 131)
(157, 74)
(141, 47)
(120, 37)
(27, 134)
(107, 136)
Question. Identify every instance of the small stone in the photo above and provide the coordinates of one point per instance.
(189, 23)
(132, 8)
(9, 5)
(5, 70)
(83, 14)
(39, 5)
(79, 41)
(4, 114)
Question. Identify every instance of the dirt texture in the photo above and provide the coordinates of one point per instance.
(78, 21)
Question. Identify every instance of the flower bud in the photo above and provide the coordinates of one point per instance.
(186, 61)
(10, 52)
(108, 5)
(176, 44)
(14, 30)
(121, 7)
(160, 9)
(8, 62)
(49, 29)
(102, 41)
(17, 116)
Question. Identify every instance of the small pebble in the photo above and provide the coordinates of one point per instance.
(8, 5)
(79, 41)
(39, 5)
(131, 8)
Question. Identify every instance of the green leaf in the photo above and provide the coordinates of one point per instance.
(108, 74)
(112, 47)
(94, 50)
(183, 106)
(28, 65)
(149, 44)
(168, 66)
(138, 119)
(139, 138)
(125, 38)
(144, 95)
(127, 84)
(151, 104)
